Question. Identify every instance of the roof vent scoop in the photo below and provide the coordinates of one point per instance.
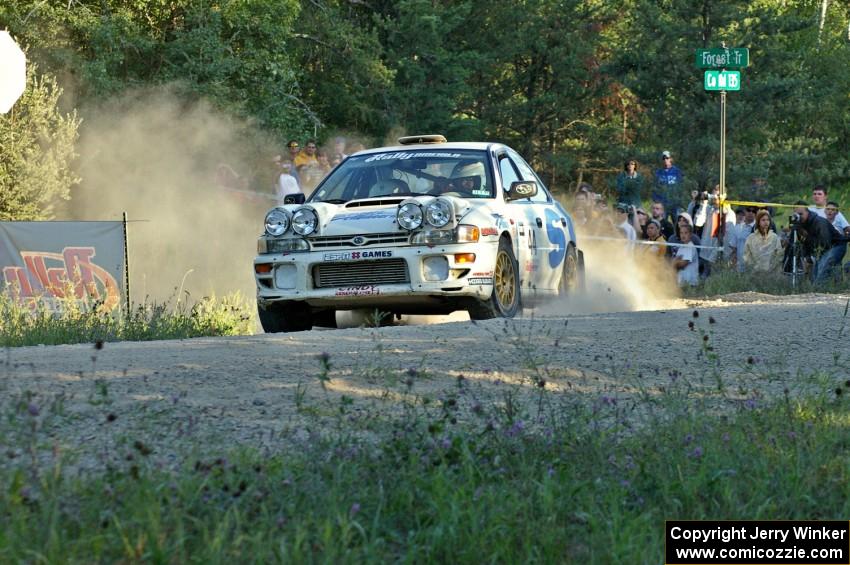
(419, 139)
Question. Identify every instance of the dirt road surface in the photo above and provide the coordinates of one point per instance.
(213, 394)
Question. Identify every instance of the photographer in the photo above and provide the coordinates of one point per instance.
(819, 239)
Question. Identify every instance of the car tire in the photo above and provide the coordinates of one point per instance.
(572, 273)
(505, 300)
(285, 317)
(325, 319)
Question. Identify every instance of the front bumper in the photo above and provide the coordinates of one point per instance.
(409, 278)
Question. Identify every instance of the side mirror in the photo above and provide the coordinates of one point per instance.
(521, 189)
(297, 198)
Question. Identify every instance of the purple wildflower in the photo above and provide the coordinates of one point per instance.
(515, 429)
(697, 452)
(33, 410)
(355, 508)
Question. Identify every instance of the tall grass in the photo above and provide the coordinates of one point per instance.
(728, 281)
(21, 324)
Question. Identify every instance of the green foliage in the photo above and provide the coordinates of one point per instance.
(575, 86)
(22, 325)
(37, 145)
(235, 53)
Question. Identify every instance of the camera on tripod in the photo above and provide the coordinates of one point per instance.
(795, 218)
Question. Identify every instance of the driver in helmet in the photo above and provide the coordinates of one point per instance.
(466, 179)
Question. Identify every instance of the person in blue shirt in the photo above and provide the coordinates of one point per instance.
(669, 185)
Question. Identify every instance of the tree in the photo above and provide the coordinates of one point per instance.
(36, 151)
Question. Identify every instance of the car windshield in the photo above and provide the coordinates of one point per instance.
(456, 172)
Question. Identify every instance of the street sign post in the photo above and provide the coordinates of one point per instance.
(13, 72)
(722, 80)
(719, 79)
(723, 58)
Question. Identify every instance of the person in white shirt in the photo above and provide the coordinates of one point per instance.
(686, 259)
(836, 218)
(285, 184)
(736, 239)
(623, 222)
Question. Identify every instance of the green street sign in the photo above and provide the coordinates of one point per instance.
(736, 58)
(722, 80)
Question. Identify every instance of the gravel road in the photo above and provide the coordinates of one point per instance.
(216, 393)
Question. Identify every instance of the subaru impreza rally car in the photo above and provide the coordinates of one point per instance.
(426, 227)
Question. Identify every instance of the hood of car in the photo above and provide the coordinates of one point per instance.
(370, 216)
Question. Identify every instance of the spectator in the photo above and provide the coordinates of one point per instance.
(822, 241)
(294, 149)
(582, 206)
(819, 194)
(737, 238)
(286, 183)
(669, 188)
(580, 218)
(638, 218)
(711, 224)
(763, 249)
(659, 213)
(653, 234)
(686, 259)
(623, 222)
(683, 220)
(843, 229)
(630, 184)
(306, 157)
(324, 162)
(339, 147)
(739, 216)
(836, 218)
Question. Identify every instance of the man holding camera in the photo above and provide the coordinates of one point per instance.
(820, 240)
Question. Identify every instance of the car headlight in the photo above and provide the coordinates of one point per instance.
(409, 216)
(463, 234)
(289, 245)
(277, 222)
(304, 221)
(433, 237)
(438, 212)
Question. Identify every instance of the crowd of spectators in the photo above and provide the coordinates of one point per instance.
(697, 232)
(301, 169)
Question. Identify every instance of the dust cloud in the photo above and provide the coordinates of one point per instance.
(195, 185)
(619, 277)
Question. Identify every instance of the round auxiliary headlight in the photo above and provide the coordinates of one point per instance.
(409, 216)
(438, 213)
(277, 222)
(304, 221)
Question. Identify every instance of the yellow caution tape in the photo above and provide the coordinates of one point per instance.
(758, 204)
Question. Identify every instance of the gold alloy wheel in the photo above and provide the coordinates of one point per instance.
(504, 280)
(570, 278)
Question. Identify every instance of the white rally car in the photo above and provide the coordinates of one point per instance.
(427, 227)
